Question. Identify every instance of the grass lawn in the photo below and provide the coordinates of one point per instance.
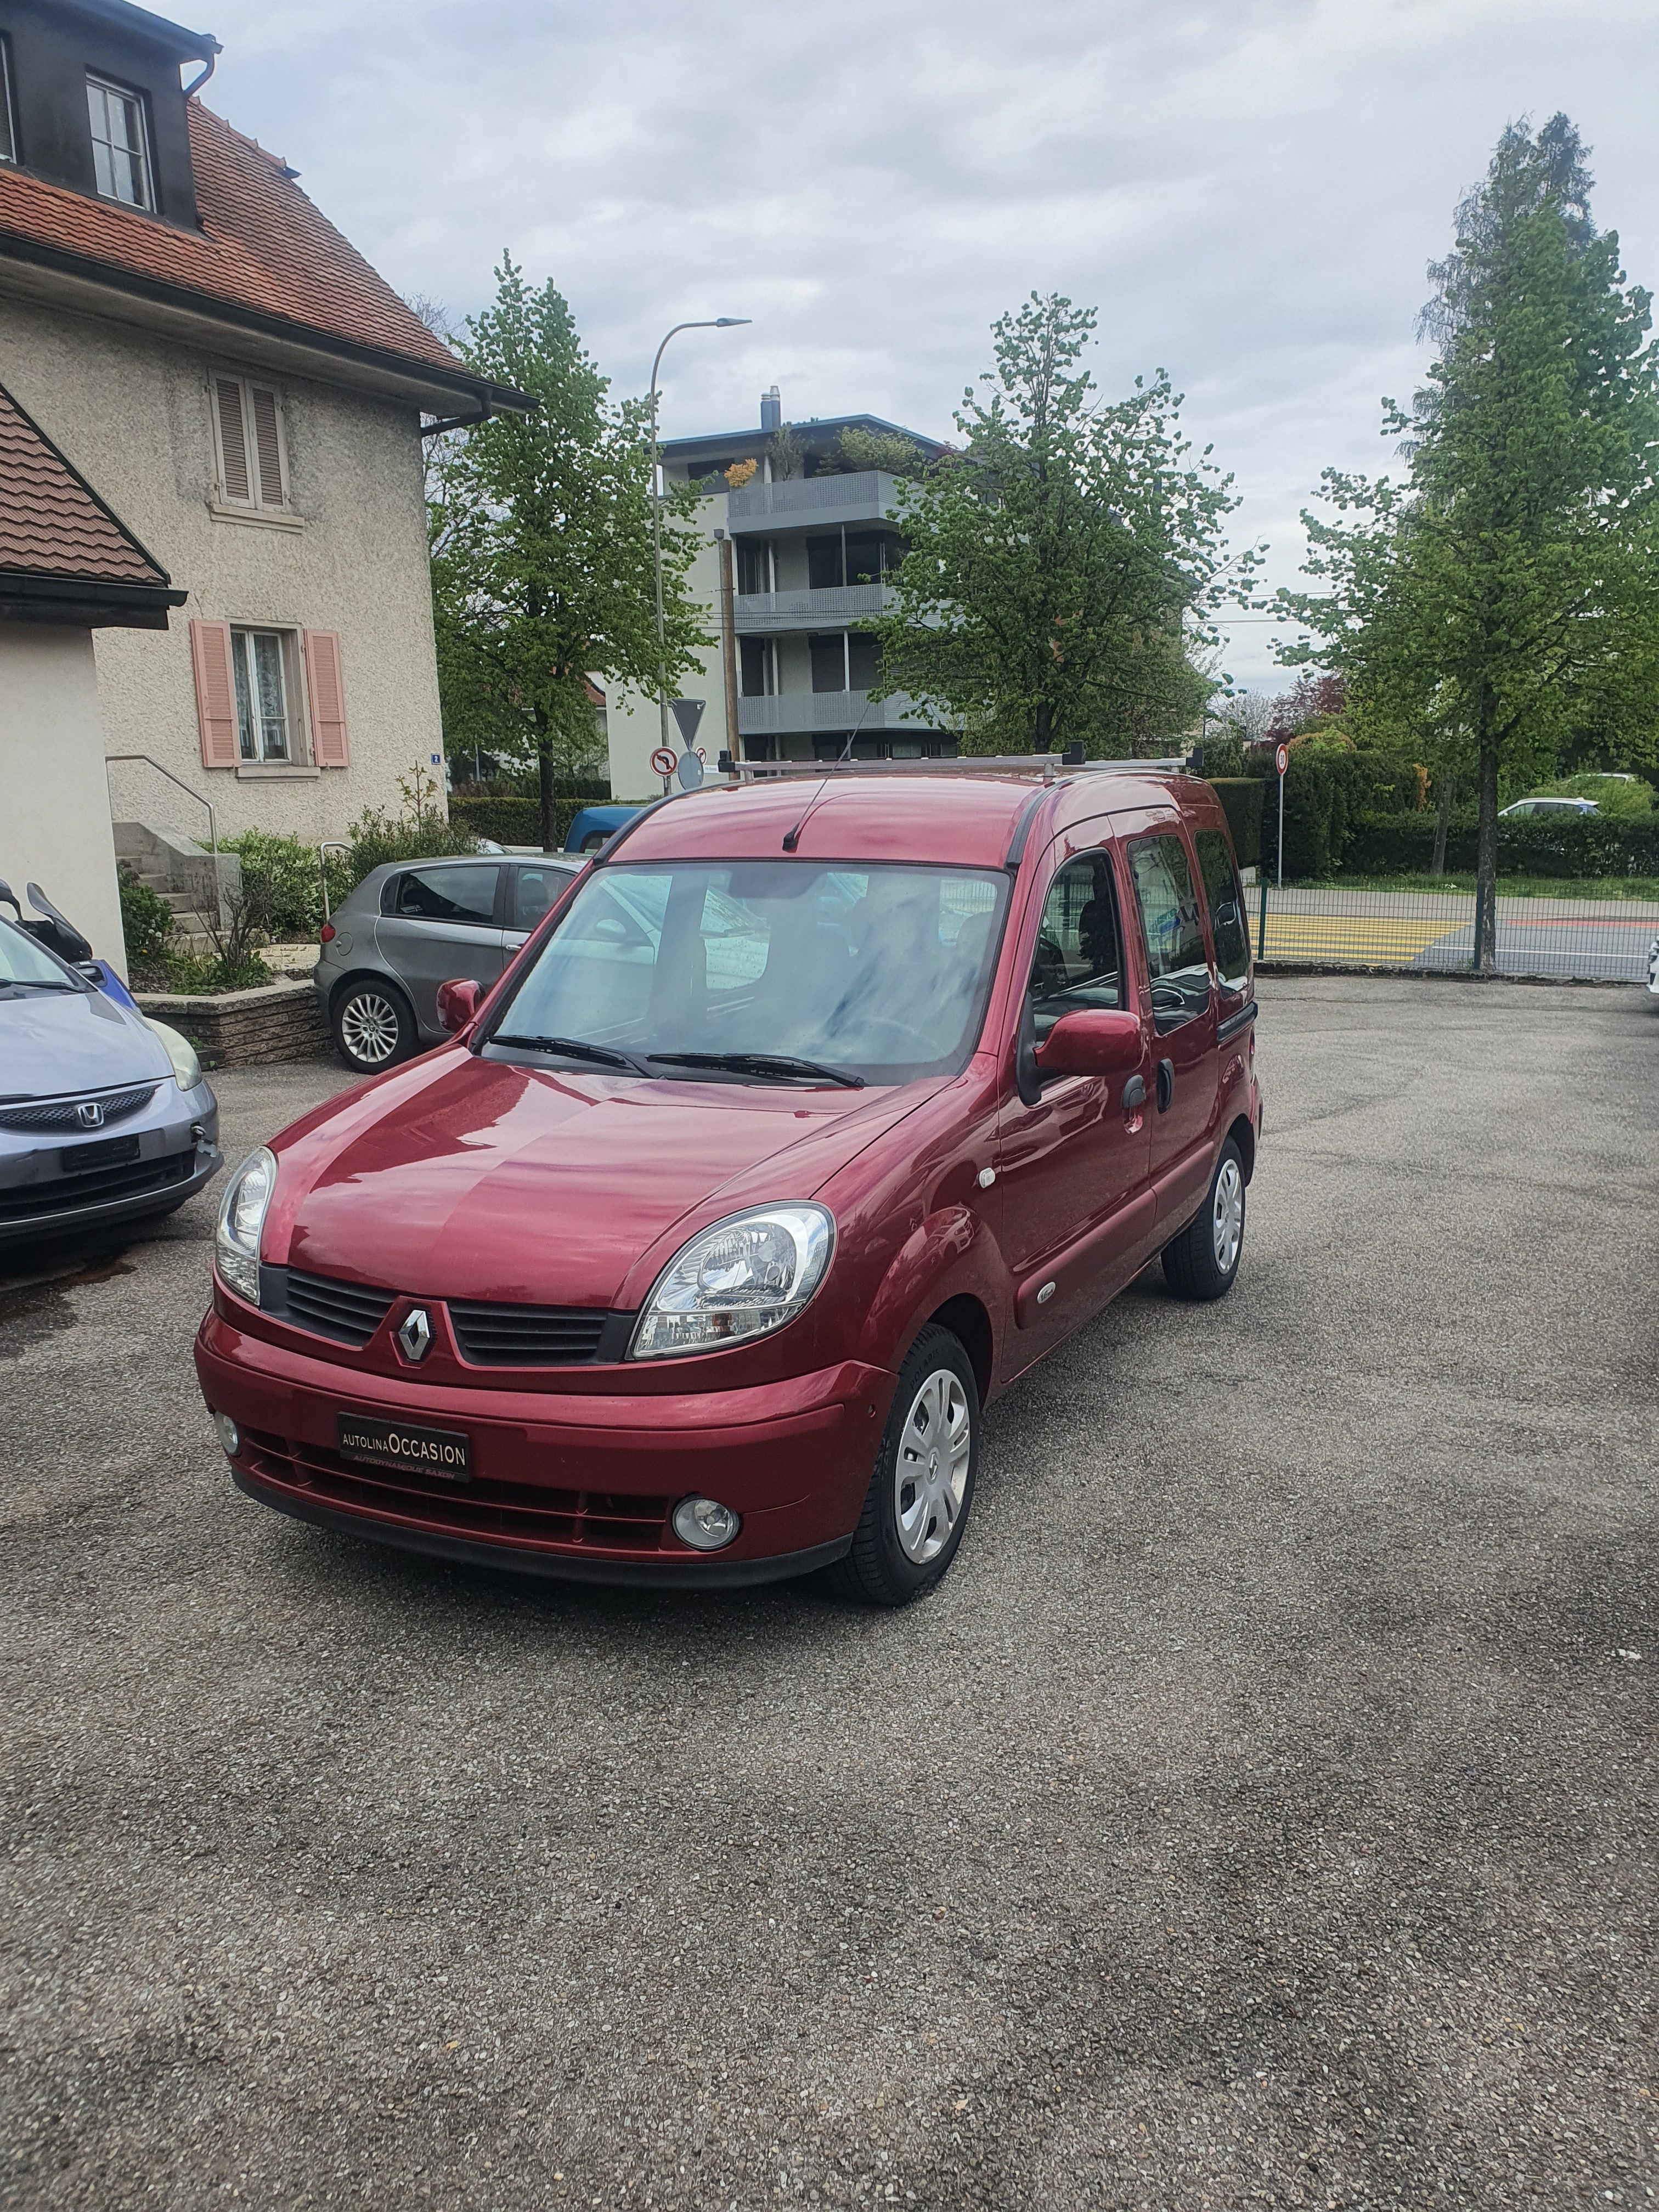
(1553, 887)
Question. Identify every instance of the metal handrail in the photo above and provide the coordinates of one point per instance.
(112, 759)
(328, 845)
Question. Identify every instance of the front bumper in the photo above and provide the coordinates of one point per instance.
(564, 1483)
(177, 1155)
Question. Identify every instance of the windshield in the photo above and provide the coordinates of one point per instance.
(23, 961)
(878, 973)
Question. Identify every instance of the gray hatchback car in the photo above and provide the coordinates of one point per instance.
(412, 925)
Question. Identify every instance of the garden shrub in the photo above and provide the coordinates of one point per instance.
(1242, 798)
(147, 924)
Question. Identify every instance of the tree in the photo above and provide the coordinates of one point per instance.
(1505, 602)
(540, 529)
(1059, 573)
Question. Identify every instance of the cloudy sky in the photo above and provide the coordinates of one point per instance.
(1248, 193)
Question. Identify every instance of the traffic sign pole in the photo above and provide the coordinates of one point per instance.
(1281, 762)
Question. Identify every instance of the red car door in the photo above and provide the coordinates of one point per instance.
(1071, 1153)
(1183, 1015)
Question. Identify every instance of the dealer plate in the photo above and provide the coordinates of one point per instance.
(447, 1453)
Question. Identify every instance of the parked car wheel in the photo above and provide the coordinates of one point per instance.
(1202, 1262)
(374, 1025)
(923, 1486)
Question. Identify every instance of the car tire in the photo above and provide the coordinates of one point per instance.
(1202, 1262)
(922, 1490)
(374, 1025)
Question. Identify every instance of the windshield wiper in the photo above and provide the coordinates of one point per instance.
(37, 983)
(781, 1065)
(574, 1048)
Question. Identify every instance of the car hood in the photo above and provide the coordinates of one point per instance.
(469, 1178)
(56, 1042)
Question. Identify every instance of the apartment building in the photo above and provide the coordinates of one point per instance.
(811, 550)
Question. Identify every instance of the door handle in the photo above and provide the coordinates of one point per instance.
(1165, 1085)
(1134, 1094)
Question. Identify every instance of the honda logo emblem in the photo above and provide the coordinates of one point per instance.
(414, 1336)
(90, 1115)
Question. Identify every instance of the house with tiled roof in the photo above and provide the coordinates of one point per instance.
(212, 399)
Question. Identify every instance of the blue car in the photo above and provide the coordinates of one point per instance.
(105, 1116)
(590, 829)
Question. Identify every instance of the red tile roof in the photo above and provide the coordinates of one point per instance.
(262, 245)
(51, 523)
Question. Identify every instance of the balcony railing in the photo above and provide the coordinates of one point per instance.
(764, 614)
(795, 714)
(868, 497)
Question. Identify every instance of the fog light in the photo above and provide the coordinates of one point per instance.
(704, 1525)
(229, 1435)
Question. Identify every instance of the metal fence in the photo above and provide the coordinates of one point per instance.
(1581, 940)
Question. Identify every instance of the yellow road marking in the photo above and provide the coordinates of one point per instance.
(1351, 937)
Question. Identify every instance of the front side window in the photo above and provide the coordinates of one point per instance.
(1174, 932)
(1226, 896)
(880, 973)
(259, 662)
(460, 895)
(121, 143)
(1077, 964)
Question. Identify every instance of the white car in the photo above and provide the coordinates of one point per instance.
(1549, 806)
(1653, 967)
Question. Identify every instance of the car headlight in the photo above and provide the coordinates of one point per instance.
(182, 1053)
(241, 1217)
(741, 1279)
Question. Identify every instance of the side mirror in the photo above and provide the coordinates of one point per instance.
(458, 1002)
(1106, 1040)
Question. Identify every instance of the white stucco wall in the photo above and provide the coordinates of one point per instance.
(54, 813)
(633, 722)
(131, 412)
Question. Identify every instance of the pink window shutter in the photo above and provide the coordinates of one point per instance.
(329, 748)
(215, 694)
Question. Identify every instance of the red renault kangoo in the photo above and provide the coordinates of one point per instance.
(821, 1106)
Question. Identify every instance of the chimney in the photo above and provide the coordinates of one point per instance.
(771, 409)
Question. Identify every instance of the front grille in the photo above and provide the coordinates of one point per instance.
(349, 1312)
(526, 1336)
(101, 1187)
(583, 1520)
(64, 1113)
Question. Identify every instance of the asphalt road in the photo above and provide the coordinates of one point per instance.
(1262, 1814)
(1586, 940)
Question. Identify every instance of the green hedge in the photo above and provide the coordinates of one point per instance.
(1242, 798)
(1528, 845)
(517, 821)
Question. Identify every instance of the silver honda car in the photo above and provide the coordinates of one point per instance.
(105, 1117)
(412, 925)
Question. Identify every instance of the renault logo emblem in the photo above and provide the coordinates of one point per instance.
(90, 1115)
(414, 1336)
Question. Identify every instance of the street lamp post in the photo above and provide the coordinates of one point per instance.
(718, 323)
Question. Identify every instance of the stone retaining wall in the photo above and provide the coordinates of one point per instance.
(246, 1029)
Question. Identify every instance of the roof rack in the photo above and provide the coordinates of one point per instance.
(1051, 767)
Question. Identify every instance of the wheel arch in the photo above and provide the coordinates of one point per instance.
(1242, 1133)
(968, 1322)
(356, 975)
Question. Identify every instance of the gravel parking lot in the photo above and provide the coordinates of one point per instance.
(1262, 1812)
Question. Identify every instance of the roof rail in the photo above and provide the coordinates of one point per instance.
(1051, 767)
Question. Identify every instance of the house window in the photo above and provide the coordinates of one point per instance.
(259, 662)
(8, 128)
(252, 450)
(121, 143)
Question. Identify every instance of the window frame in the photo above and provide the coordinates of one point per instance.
(1225, 988)
(296, 719)
(9, 153)
(1099, 859)
(392, 892)
(256, 504)
(111, 89)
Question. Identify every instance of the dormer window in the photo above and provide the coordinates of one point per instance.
(120, 144)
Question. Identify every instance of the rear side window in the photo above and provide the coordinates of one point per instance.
(1076, 964)
(465, 894)
(1225, 896)
(1170, 921)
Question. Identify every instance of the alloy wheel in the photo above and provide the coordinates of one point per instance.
(932, 1472)
(368, 1028)
(1227, 1221)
